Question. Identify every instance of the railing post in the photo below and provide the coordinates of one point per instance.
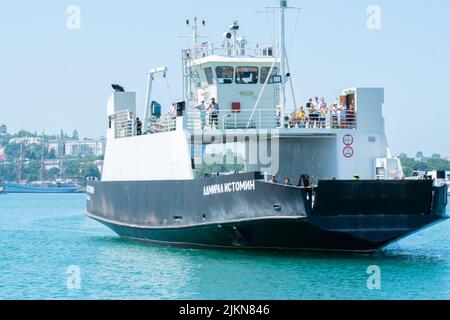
(260, 119)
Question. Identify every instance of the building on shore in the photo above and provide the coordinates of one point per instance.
(57, 146)
(27, 141)
(84, 148)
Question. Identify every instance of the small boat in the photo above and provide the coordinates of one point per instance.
(58, 186)
(43, 187)
(2, 191)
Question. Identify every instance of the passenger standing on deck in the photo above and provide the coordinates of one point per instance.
(173, 110)
(310, 109)
(342, 117)
(138, 127)
(214, 113)
(334, 117)
(322, 108)
(301, 118)
(314, 114)
(202, 110)
(316, 102)
(351, 116)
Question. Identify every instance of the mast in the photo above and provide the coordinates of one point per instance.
(188, 56)
(61, 168)
(195, 33)
(19, 174)
(41, 171)
(282, 45)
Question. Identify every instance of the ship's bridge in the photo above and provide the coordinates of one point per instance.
(242, 85)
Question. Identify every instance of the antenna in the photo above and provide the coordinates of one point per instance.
(194, 25)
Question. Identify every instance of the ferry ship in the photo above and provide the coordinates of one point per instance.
(158, 183)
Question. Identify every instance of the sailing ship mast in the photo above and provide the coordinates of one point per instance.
(41, 171)
(20, 169)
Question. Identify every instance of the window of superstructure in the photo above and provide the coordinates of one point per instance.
(209, 75)
(197, 80)
(264, 73)
(225, 75)
(247, 75)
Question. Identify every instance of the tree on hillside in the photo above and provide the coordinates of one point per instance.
(436, 156)
(12, 151)
(420, 166)
(72, 168)
(52, 174)
(75, 135)
(90, 170)
(51, 155)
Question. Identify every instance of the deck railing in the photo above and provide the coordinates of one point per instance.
(124, 125)
(165, 123)
(245, 119)
(224, 49)
(269, 119)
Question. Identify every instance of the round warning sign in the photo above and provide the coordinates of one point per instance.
(348, 140)
(349, 152)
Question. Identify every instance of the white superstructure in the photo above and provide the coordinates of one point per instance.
(248, 81)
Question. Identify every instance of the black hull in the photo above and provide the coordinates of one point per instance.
(268, 217)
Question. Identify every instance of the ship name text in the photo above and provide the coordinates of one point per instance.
(229, 187)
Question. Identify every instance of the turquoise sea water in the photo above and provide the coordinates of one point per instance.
(42, 236)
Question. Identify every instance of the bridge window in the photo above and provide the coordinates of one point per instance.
(196, 79)
(246, 75)
(265, 71)
(225, 75)
(209, 75)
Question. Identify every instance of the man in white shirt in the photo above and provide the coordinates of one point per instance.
(214, 112)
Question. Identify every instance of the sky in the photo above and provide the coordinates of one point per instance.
(53, 77)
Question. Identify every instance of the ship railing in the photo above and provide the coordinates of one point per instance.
(232, 120)
(342, 120)
(124, 124)
(226, 49)
(165, 123)
(244, 119)
(266, 119)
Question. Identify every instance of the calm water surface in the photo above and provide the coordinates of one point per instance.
(41, 236)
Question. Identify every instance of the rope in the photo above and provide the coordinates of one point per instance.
(269, 76)
(169, 90)
(295, 32)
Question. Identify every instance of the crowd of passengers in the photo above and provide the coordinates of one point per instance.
(318, 114)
